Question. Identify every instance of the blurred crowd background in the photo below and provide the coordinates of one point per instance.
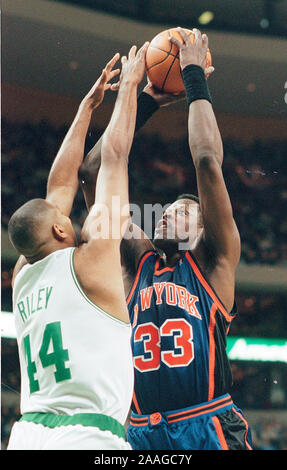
(255, 174)
(52, 50)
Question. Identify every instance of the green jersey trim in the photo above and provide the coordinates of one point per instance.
(103, 422)
(74, 275)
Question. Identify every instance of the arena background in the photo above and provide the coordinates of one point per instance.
(53, 51)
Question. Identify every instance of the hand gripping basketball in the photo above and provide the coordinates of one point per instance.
(163, 58)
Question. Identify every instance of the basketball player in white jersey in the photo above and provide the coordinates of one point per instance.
(72, 323)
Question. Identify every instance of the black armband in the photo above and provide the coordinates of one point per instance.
(195, 83)
(146, 107)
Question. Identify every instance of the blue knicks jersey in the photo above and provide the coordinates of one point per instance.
(178, 338)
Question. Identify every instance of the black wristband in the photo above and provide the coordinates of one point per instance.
(195, 83)
(147, 106)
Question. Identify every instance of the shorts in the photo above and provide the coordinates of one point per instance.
(214, 425)
(55, 434)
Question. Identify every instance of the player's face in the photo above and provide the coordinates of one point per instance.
(181, 222)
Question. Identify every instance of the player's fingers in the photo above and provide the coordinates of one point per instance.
(113, 61)
(174, 40)
(107, 86)
(197, 35)
(124, 59)
(209, 70)
(115, 86)
(183, 34)
(103, 77)
(132, 52)
(114, 73)
(205, 40)
(142, 51)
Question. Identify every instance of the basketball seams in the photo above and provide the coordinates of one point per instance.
(162, 62)
(167, 73)
(162, 50)
(171, 65)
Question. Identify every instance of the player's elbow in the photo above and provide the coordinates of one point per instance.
(112, 157)
(208, 163)
(114, 150)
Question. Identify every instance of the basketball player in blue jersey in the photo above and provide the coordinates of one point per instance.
(180, 291)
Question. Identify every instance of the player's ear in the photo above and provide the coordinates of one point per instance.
(58, 232)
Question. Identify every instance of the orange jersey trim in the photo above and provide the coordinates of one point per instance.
(208, 288)
(138, 424)
(145, 256)
(190, 413)
(247, 427)
(158, 272)
(135, 402)
(211, 351)
(223, 401)
(219, 433)
(193, 415)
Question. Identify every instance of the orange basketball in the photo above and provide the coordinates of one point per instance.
(162, 61)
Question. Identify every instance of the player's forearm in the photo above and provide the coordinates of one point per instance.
(64, 171)
(118, 136)
(204, 136)
(146, 107)
(88, 172)
(113, 174)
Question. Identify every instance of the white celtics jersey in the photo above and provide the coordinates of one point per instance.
(74, 357)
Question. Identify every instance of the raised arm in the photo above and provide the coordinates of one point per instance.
(63, 177)
(97, 261)
(220, 234)
(62, 182)
(148, 101)
(116, 144)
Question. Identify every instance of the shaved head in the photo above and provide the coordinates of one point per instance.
(28, 227)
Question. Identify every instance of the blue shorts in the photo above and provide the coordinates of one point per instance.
(214, 425)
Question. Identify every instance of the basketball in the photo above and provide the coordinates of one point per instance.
(162, 62)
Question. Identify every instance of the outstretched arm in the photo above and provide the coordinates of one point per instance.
(117, 138)
(220, 234)
(63, 177)
(97, 261)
